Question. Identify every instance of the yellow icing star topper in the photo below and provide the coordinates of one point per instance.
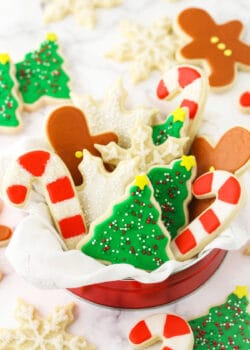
(4, 58)
(179, 114)
(241, 291)
(51, 37)
(188, 162)
(141, 181)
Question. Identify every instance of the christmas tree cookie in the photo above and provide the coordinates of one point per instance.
(41, 75)
(172, 191)
(10, 105)
(226, 326)
(131, 232)
(174, 126)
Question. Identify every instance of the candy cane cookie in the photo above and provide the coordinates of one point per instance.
(172, 330)
(193, 84)
(203, 229)
(58, 189)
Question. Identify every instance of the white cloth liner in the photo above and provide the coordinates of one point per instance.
(37, 253)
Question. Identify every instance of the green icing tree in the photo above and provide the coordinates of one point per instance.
(8, 101)
(172, 191)
(226, 326)
(172, 126)
(41, 74)
(133, 233)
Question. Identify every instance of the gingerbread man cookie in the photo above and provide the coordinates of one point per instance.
(217, 46)
(68, 133)
(236, 143)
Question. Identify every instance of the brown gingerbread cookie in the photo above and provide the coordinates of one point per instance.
(5, 231)
(68, 133)
(231, 153)
(217, 46)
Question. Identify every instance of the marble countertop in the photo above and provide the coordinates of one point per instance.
(22, 29)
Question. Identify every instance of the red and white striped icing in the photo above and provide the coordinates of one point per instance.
(57, 184)
(203, 229)
(172, 330)
(188, 80)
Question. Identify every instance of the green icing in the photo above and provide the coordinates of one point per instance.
(225, 327)
(41, 74)
(161, 132)
(171, 190)
(131, 234)
(8, 103)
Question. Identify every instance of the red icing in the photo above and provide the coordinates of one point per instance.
(230, 191)
(162, 91)
(185, 241)
(140, 333)
(187, 75)
(17, 193)
(34, 162)
(60, 190)
(167, 348)
(245, 99)
(203, 184)
(72, 226)
(192, 107)
(209, 220)
(175, 326)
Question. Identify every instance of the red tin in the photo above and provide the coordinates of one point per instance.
(132, 294)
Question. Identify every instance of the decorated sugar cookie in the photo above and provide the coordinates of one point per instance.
(10, 103)
(102, 187)
(173, 126)
(42, 77)
(51, 332)
(58, 189)
(68, 133)
(218, 47)
(226, 189)
(191, 83)
(143, 147)
(171, 330)
(148, 48)
(130, 231)
(244, 101)
(171, 186)
(230, 153)
(110, 114)
(84, 11)
(226, 326)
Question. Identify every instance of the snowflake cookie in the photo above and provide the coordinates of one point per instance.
(148, 48)
(110, 114)
(36, 333)
(83, 10)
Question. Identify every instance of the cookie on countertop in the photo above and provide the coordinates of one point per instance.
(42, 77)
(218, 47)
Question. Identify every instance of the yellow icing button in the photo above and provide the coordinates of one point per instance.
(78, 154)
(141, 181)
(221, 46)
(228, 52)
(212, 168)
(214, 39)
(241, 291)
(188, 162)
(51, 37)
(4, 58)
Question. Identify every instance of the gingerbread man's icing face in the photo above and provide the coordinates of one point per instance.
(68, 134)
(218, 46)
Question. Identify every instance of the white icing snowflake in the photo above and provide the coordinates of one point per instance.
(101, 187)
(83, 10)
(44, 334)
(143, 147)
(148, 48)
(111, 115)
